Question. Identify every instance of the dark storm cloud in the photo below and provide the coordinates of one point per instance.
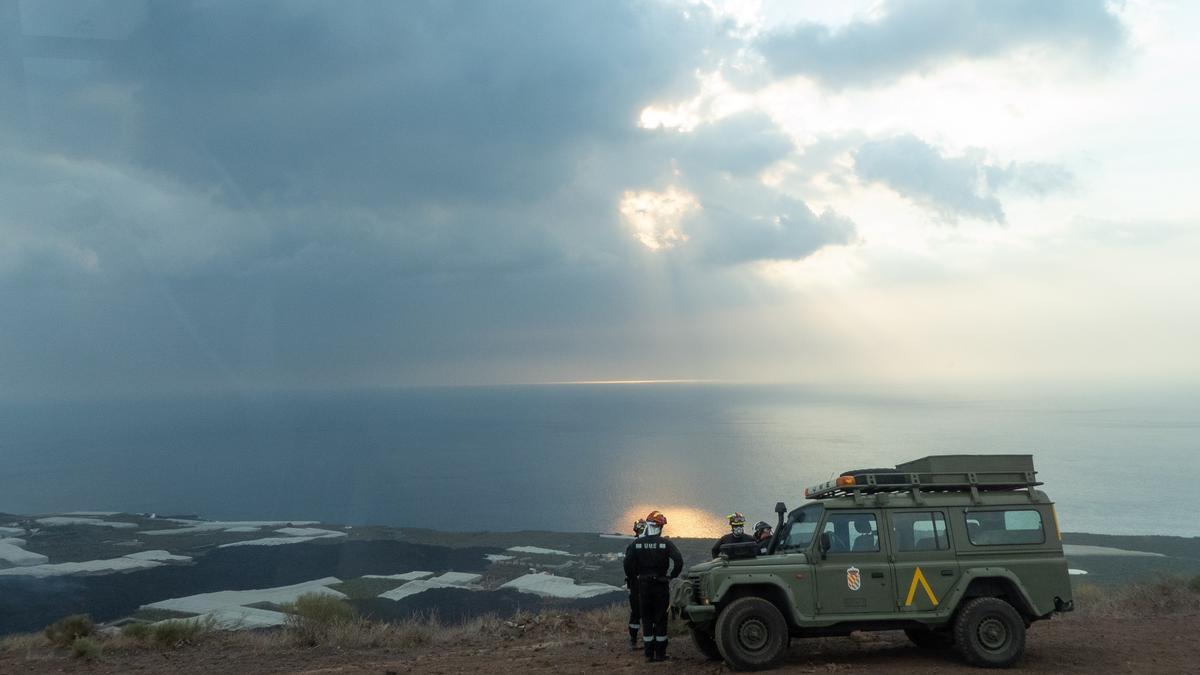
(310, 193)
(920, 35)
(392, 102)
(953, 187)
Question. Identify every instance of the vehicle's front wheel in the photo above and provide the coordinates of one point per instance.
(705, 643)
(751, 634)
(989, 633)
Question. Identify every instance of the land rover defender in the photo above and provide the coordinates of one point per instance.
(955, 550)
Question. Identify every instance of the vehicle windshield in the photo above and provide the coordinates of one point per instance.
(798, 532)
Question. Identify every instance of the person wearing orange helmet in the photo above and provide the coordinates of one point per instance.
(653, 561)
(635, 609)
(737, 533)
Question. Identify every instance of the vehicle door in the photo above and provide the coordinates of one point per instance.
(853, 573)
(926, 567)
(792, 553)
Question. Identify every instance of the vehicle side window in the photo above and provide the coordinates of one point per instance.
(1002, 527)
(852, 532)
(922, 531)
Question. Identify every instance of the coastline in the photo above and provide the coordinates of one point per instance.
(112, 566)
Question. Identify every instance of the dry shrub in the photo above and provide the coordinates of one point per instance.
(1164, 596)
(137, 631)
(1194, 584)
(320, 608)
(176, 633)
(65, 631)
(319, 619)
(25, 644)
(485, 626)
(324, 620)
(85, 648)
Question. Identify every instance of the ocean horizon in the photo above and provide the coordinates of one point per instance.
(576, 457)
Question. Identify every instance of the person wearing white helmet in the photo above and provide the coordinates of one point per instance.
(653, 556)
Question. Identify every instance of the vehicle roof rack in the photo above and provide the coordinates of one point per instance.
(935, 473)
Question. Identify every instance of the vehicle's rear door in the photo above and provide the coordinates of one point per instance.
(923, 557)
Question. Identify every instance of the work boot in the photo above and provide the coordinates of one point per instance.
(660, 650)
(649, 642)
(633, 641)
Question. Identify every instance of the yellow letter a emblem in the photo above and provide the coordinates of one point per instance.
(919, 577)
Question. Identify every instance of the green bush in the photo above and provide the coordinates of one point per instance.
(65, 631)
(85, 648)
(178, 632)
(137, 631)
(320, 608)
(314, 617)
(1194, 584)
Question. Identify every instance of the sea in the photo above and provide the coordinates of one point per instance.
(582, 458)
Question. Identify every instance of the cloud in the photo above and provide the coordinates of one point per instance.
(953, 187)
(917, 36)
(737, 218)
(656, 218)
(95, 218)
(392, 103)
(287, 192)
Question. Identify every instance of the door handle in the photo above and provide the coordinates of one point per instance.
(876, 575)
(947, 573)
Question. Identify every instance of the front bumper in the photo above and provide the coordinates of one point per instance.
(700, 613)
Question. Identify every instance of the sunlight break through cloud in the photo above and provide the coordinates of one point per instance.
(656, 218)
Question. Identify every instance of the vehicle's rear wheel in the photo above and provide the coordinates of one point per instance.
(930, 639)
(989, 633)
(705, 643)
(751, 634)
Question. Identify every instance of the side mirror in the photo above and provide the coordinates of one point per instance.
(826, 544)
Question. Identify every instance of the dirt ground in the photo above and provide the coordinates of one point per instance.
(1071, 644)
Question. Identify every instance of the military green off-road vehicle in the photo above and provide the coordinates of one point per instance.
(955, 550)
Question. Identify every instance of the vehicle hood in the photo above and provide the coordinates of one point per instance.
(760, 561)
(769, 560)
(706, 566)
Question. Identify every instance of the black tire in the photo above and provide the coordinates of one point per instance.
(705, 644)
(989, 633)
(929, 639)
(751, 634)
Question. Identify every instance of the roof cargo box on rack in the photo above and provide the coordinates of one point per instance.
(936, 473)
(960, 464)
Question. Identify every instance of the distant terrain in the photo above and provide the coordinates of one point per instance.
(119, 567)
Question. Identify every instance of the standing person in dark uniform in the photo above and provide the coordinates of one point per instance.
(762, 535)
(737, 534)
(635, 610)
(652, 556)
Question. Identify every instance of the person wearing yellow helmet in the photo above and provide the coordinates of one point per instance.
(737, 533)
(649, 561)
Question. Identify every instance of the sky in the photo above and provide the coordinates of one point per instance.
(203, 195)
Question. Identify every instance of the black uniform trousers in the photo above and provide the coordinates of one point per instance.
(654, 594)
(635, 608)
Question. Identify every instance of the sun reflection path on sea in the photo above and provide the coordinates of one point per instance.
(682, 521)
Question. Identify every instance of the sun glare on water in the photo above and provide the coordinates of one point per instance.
(682, 521)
